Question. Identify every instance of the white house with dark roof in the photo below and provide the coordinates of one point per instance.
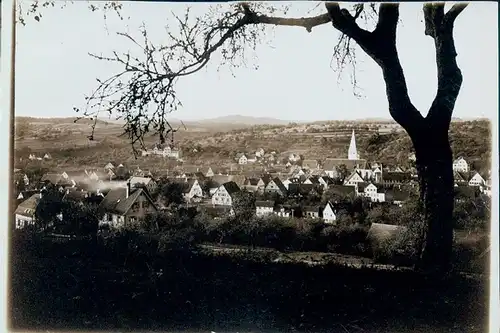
(125, 207)
(148, 182)
(192, 190)
(477, 180)
(460, 165)
(353, 179)
(275, 186)
(263, 208)
(329, 215)
(372, 192)
(224, 194)
(25, 211)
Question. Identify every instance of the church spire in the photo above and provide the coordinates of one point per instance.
(353, 152)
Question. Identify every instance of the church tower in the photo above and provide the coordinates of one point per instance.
(353, 152)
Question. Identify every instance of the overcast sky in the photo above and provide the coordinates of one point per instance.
(294, 80)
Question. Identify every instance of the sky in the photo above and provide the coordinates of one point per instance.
(294, 80)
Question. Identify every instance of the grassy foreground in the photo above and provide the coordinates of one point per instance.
(88, 287)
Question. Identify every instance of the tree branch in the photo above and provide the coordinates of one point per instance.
(439, 26)
(306, 22)
(380, 45)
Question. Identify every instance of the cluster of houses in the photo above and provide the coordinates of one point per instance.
(165, 151)
(124, 196)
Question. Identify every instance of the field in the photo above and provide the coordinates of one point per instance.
(81, 286)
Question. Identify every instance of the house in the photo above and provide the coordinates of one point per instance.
(294, 157)
(412, 157)
(262, 183)
(372, 192)
(353, 179)
(275, 186)
(97, 175)
(24, 195)
(147, 182)
(283, 211)
(250, 184)
(329, 215)
(207, 172)
(47, 156)
(251, 158)
(223, 196)
(312, 180)
(109, 166)
(311, 212)
(25, 211)
(21, 178)
(326, 181)
(53, 178)
(460, 178)
(331, 166)
(260, 153)
(192, 190)
(75, 195)
(397, 177)
(263, 208)
(124, 207)
(310, 164)
(460, 165)
(216, 212)
(477, 180)
(242, 159)
(289, 181)
(342, 190)
(396, 196)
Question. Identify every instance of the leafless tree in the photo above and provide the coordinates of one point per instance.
(144, 93)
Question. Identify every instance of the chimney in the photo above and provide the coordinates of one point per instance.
(128, 189)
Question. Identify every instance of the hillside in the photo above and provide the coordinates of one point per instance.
(383, 141)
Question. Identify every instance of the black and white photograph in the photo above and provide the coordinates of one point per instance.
(217, 167)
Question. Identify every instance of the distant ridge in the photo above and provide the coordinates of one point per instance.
(246, 120)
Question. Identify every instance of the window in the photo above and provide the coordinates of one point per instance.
(135, 206)
(145, 204)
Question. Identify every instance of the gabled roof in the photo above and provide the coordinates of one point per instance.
(75, 195)
(251, 181)
(139, 180)
(116, 200)
(53, 178)
(460, 176)
(190, 168)
(314, 180)
(311, 164)
(27, 194)
(333, 163)
(396, 195)
(397, 176)
(220, 179)
(231, 187)
(279, 184)
(266, 203)
(343, 190)
(28, 206)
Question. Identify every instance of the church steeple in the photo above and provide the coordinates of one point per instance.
(353, 152)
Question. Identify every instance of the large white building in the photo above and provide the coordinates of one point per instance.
(460, 165)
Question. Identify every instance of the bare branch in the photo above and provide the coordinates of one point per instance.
(453, 13)
(439, 26)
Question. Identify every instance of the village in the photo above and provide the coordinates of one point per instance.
(296, 188)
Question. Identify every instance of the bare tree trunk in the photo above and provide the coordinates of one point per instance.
(434, 166)
(430, 134)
